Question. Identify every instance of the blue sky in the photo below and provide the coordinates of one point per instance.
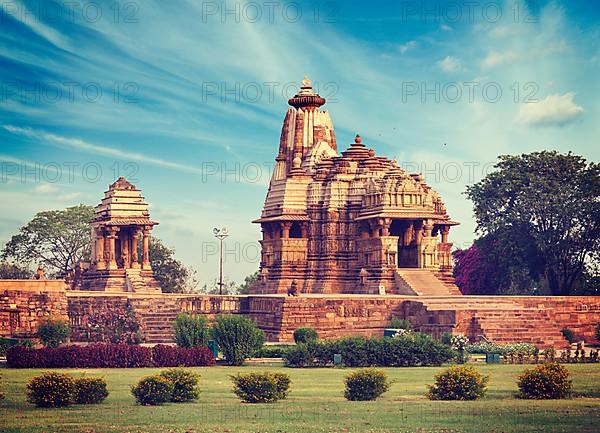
(187, 99)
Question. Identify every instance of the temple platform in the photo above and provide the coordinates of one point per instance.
(502, 319)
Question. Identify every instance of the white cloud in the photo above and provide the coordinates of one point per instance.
(446, 27)
(403, 48)
(554, 110)
(450, 64)
(45, 188)
(495, 58)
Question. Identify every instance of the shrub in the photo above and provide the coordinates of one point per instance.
(458, 383)
(407, 350)
(89, 390)
(446, 338)
(366, 384)
(400, 324)
(109, 356)
(261, 387)
(185, 384)
(51, 389)
(274, 351)
(568, 334)
(303, 335)
(546, 381)
(7, 343)
(53, 332)
(191, 330)
(238, 338)
(153, 390)
(1, 393)
(115, 325)
(171, 356)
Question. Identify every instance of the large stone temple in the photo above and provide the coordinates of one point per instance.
(352, 222)
(356, 237)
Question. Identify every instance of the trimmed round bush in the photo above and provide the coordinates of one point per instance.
(153, 390)
(185, 384)
(53, 332)
(238, 338)
(366, 384)
(261, 387)
(304, 335)
(546, 381)
(89, 390)
(458, 383)
(51, 389)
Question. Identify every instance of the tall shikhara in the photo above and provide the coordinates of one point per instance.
(349, 223)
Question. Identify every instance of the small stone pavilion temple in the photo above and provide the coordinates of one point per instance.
(121, 223)
(349, 223)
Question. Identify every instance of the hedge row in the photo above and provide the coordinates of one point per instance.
(108, 356)
(403, 351)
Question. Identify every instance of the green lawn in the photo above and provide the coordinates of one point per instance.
(316, 404)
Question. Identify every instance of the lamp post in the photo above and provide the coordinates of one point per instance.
(220, 234)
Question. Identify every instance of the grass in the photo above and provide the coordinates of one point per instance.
(316, 404)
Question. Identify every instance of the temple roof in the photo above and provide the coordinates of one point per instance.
(122, 205)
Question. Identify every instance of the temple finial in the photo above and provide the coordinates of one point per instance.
(306, 82)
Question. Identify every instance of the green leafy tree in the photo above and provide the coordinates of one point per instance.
(10, 271)
(249, 281)
(57, 239)
(172, 275)
(553, 198)
(229, 287)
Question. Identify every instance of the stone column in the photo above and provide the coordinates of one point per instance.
(125, 250)
(445, 231)
(304, 230)
(135, 262)
(146, 249)
(427, 230)
(285, 228)
(418, 232)
(112, 237)
(100, 258)
(407, 236)
(385, 224)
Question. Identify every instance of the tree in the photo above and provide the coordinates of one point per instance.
(212, 288)
(57, 239)
(554, 199)
(10, 271)
(499, 263)
(172, 275)
(249, 281)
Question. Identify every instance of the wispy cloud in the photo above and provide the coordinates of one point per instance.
(450, 64)
(81, 145)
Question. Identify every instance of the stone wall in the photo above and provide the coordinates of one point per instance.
(24, 302)
(498, 318)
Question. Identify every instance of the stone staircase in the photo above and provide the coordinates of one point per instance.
(500, 320)
(157, 318)
(426, 282)
(525, 325)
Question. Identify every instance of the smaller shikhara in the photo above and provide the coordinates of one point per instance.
(120, 259)
(349, 223)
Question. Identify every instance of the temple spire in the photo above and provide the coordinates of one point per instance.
(306, 98)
